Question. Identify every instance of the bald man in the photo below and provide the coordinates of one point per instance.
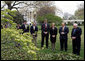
(76, 38)
(63, 31)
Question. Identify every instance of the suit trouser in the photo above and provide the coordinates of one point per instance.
(76, 46)
(53, 46)
(63, 44)
(34, 40)
(42, 42)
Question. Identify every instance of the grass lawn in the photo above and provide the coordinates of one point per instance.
(57, 50)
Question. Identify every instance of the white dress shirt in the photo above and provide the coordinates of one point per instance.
(34, 27)
(26, 26)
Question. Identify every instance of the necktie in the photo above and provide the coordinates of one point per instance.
(45, 25)
(74, 31)
(63, 29)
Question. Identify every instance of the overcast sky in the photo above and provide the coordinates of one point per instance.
(68, 6)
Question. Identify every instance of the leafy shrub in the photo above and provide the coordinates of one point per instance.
(17, 46)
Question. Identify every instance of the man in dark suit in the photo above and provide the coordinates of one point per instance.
(76, 39)
(63, 31)
(45, 32)
(33, 31)
(25, 27)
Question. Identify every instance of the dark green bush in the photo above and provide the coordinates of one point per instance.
(51, 18)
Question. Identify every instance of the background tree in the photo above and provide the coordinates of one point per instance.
(40, 7)
(79, 13)
(66, 16)
(46, 10)
(36, 6)
(25, 5)
(51, 18)
(47, 7)
(73, 17)
(18, 18)
(13, 5)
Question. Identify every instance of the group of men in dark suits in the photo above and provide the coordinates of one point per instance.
(63, 31)
(33, 30)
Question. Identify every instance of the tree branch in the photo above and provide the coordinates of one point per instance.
(14, 3)
(16, 8)
(18, 3)
(3, 6)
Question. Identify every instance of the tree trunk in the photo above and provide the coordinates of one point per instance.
(9, 6)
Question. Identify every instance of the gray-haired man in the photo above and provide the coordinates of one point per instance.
(76, 38)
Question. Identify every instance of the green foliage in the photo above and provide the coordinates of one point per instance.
(11, 17)
(7, 18)
(17, 46)
(59, 56)
(50, 17)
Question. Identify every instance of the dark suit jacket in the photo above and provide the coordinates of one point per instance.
(53, 32)
(32, 30)
(23, 27)
(45, 30)
(77, 33)
(18, 27)
(66, 31)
